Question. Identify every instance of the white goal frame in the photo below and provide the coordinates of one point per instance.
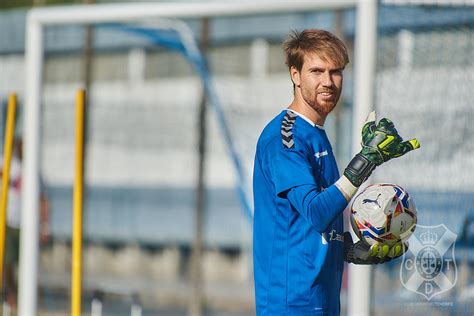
(38, 18)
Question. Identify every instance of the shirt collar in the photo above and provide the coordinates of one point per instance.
(306, 119)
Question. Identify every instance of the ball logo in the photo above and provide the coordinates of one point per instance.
(376, 201)
(429, 266)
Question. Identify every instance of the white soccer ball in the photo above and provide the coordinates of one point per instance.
(383, 213)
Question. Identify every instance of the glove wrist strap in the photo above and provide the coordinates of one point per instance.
(359, 169)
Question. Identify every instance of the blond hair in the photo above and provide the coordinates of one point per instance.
(312, 41)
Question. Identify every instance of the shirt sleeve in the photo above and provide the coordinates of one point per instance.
(290, 168)
(320, 209)
(294, 179)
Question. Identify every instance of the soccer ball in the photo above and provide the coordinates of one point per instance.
(383, 213)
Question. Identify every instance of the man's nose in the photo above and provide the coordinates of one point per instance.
(327, 80)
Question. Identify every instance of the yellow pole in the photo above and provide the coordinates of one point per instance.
(7, 157)
(77, 207)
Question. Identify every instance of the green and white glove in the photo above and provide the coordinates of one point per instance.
(380, 143)
(363, 253)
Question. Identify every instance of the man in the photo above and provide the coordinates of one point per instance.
(12, 240)
(299, 197)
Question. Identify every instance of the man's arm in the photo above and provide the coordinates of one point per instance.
(380, 143)
(319, 208)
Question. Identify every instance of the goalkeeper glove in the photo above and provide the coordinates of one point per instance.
(380, 143)
(363, 253)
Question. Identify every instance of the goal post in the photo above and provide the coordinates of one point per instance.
(359, 284)
(39, 18)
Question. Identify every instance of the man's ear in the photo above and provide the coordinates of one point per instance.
(295, 76)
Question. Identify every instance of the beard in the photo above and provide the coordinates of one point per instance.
(322, 107)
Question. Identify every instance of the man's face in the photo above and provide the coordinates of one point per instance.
(319, 82)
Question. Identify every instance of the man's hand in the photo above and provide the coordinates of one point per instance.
(363, 253)
(380, 143)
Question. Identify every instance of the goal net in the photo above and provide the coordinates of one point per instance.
(146, 80)
(424, 83)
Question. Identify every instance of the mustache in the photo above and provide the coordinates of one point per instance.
(325, 90)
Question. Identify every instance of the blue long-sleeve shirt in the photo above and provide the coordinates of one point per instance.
(298, 224)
